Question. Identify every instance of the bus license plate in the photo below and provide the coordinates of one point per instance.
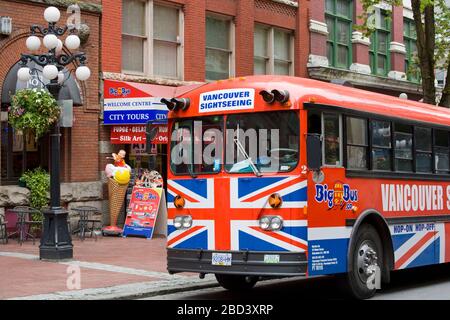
(221, 259)
(271, 258)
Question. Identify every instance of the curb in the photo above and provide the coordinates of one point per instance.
(130, 291)
(178, 289)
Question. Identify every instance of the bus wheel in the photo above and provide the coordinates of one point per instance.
(235, 282)
(366, 258)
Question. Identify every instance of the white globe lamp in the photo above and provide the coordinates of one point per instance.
(60, 77)
(52, 14)
(83, 73)
(50, 72)
(59, 47)
(33, 43)
(23, 74)
(50, 41)
(73, 42)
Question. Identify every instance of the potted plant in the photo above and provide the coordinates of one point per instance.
(33, 109)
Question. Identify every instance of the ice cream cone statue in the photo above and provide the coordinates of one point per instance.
(118, 175)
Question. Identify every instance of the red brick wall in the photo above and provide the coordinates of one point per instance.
(397, 59)
(194, 40)
(244, 37)
(275, 14)
(111, 36)
(302, 39)
(79, 153)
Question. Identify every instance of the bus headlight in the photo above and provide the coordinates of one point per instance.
(276, 223)
(264, 223)
(187, 222)
(178, 222)
(271, 223)
(182, 222)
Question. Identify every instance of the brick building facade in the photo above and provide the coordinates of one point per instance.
(79, 144)
(380, 63)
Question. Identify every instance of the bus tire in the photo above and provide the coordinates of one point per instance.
(235, 282)
(366, 257)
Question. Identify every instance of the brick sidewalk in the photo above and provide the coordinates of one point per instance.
(111, 267)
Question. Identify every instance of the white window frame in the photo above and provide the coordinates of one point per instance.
(232, 43)
(148, 44)
(270, 59)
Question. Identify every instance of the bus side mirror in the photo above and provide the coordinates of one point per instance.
(151, 131)
(314, 151)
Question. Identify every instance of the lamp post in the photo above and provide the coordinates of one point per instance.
(56, 242)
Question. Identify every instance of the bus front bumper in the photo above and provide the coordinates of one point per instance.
(252, 263)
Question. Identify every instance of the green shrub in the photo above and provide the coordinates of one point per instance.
(38, 181)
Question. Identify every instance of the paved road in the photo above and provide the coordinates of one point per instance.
(418, 284)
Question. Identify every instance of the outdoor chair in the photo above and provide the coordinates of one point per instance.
(25, 222)
(85, 213)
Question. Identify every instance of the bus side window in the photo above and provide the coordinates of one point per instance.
(441, 151)
(357, 143)
(332, 141)
(424, 150)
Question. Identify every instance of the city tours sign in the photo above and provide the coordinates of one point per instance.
(126, 103)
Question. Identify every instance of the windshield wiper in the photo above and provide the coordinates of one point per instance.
(191, 173)
(252, 164)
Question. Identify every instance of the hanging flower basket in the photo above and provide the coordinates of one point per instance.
(33, 109)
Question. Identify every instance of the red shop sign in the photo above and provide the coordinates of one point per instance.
(130, 134)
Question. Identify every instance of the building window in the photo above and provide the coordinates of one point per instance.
(357, 143)
(338, 15)
(273, 50)
(379, 47)
(155, 48)
(410, 40)
(219, 48)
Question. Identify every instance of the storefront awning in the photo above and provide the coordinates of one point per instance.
(133, 103)
(69, 91)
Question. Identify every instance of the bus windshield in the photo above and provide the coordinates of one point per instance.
(270, 140)
(258, 142)
(196, 146)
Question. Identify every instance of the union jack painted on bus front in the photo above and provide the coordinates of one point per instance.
(229, 220)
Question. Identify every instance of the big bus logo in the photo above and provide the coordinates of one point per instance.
(119, 92)
(340, 195)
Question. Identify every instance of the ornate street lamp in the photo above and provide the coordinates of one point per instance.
(56, 242)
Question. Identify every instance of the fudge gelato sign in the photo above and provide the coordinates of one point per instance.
(124, 103)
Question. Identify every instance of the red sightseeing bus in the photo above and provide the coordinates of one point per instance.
(360, 185)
